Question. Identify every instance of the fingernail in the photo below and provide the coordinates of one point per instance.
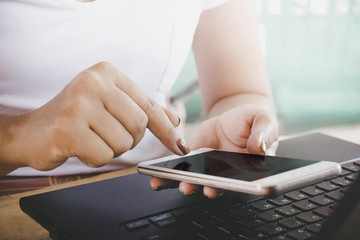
(263, 145)
(181, 188)
(207, 193)
(184, 148)
(153, 186)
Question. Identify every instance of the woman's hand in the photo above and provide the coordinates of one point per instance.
(99, 115)
(246, 129)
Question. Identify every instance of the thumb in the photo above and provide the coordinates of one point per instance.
(264, 133)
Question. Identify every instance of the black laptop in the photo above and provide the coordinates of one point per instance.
(126, 208)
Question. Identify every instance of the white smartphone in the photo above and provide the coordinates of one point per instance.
(246, 173)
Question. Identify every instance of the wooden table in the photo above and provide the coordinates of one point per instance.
(14, 224)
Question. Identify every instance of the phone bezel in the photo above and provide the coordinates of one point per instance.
(271, 185)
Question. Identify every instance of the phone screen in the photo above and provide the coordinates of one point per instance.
(240, 166)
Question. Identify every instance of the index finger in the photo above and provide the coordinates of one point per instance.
(158, 122)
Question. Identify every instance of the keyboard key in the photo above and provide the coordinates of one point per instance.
(215, 233)
(351, 167)
(253, 235)
(295, 195)
(155, 236)
(242, 211)
(223, 230)
(251, 221)
(352, 177)
(335, 195)
(280, 201)
(287, 211)
(344, 172)
(300, 234)
(341, 182)
(344, 189)
(327, 186)
(226, 200)
(201, 209)
(308, 217)
(321, 200)
(200, 236)
(312, 191)
(269, 216)
(315, 227)
(198, 224)
(323, 211)
(160, 217)
(166, 235)
(219, 217)
(291, 223)
(272, 229)
(137, 224)
(262, 205)
(281, 237)
(357, 163)
(181, 212)
(305, 205)
(245, 198)
(166, 222)
(334, 205)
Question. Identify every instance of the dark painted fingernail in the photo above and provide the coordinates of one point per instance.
(184, 148)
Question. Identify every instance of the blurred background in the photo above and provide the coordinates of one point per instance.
(312, 54)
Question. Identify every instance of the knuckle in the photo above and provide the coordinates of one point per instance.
(48, 162)
(140, 123)
(169, 133)
(83, 79)
(151, 106)
(116, 76)
(87, 80)
(40, 166)
(101, 160)
(105, 65)
(125, 145)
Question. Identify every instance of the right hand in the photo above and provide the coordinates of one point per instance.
(99, 115)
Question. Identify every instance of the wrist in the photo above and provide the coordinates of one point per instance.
(264, 102)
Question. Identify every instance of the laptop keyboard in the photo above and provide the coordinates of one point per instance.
(298, 214)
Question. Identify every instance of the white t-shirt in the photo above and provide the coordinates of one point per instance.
(44, 44)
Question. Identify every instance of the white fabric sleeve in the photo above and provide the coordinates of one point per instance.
(213, 3)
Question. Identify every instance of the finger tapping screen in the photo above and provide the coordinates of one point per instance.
(240, 166)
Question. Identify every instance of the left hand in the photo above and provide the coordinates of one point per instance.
(246, 129)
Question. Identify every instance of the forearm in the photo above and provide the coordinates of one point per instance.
(229, 61)
(8, 155)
